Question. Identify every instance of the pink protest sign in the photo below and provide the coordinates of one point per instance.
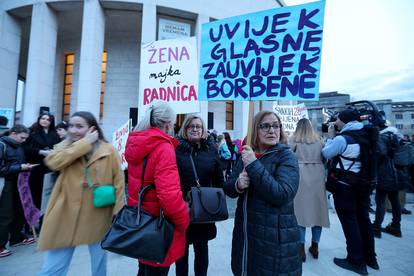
(31, 213)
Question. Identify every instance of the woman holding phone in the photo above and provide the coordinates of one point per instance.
(42, 138)
(85, 161)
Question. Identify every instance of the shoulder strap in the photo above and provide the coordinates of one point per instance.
(194, 170)
(145, 189)
(3, 157)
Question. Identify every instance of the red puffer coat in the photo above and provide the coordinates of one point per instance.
(162, 171)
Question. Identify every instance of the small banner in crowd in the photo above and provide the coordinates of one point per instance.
(119, 140)
(31, 213)
(269, 55)
(169, 72)
(290, 115)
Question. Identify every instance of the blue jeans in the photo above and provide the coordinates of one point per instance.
(57, 261)
(316, 233)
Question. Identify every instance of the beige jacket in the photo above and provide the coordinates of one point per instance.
(71, 219)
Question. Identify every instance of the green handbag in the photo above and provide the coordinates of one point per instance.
(103, 195)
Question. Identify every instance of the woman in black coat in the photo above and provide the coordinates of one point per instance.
(266, 179)
(43, 137)
(193, 141)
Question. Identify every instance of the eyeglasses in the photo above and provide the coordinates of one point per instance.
(196, 127)
(266, 126)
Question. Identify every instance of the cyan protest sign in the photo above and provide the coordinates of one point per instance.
(269, 55)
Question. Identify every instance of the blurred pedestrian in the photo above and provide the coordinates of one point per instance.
(42, 138)
(152, 140)
(265, 180)
(224, 154)
(387, 183)
(233, 153)
(85, 160)
(310, 202)
(12, 162)
(194, 144)
(62, 129)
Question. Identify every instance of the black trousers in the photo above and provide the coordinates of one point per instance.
(380, 197)
(11, 215)
(36, 184)
(200, 260)
(352, 208)
(147, 270)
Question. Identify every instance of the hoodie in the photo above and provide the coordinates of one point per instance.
(161, 171)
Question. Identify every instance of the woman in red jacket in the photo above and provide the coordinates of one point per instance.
(153, 139)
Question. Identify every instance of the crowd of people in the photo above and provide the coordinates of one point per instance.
(280, 184)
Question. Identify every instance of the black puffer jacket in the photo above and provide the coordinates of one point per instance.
(10, 164)
(207, 163)
(387, 173)
(39, 140)
(265, 217)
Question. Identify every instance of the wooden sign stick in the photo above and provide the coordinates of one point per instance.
(250, 124)
(34, 233)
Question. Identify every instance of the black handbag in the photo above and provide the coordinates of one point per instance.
(137, 234)
(207, 204)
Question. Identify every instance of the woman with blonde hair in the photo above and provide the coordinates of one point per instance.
(310, 204)
(195, 148)
(265, 180)
(150, 150)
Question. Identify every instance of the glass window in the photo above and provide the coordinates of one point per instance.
(399, 126)
(67, 88)
(103, 79)
(229, 115)
(398, 116)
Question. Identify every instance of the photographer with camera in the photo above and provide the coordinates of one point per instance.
(346, 152)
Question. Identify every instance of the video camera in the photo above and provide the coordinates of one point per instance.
(368, 114)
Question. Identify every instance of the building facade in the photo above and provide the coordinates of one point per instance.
(403, 117)
(332, 101)
(70, 55)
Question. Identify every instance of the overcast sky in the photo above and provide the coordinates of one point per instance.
(368, 48)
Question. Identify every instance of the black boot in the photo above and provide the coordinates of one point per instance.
(377, 230)
(392, 230)
(372, 263)
(302, 252)
(345, 264)
(314, 250)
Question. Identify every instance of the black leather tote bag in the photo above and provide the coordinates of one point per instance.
(207, 204)
(137, 234)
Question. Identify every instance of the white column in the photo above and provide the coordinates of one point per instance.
(148, 31)
(40, 61)
(90, 62)
(10, 36)
(201, 19)
(149, 22)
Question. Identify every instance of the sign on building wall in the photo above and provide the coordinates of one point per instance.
(168, 29)
(290, 115)
(119, 140)
(9, 114)
(269, 55)
(169, 72)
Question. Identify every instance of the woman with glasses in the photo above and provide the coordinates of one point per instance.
(195, 144)
(265, 180)
(311, 208)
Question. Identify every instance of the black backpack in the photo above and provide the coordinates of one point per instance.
(366, 178)
(404, 154)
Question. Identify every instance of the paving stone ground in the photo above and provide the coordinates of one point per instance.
(395, 255)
